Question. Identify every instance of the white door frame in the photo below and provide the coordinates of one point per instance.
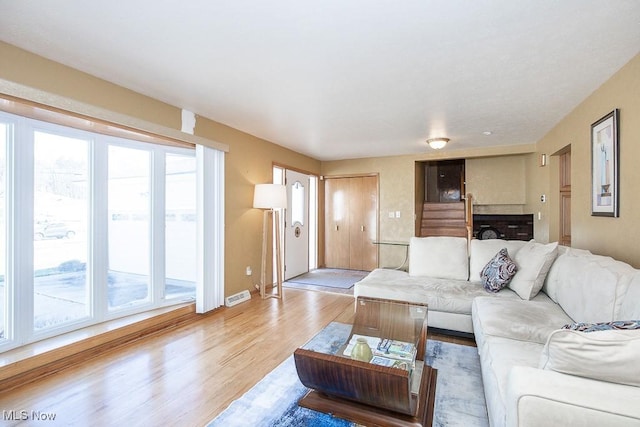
(311, 226)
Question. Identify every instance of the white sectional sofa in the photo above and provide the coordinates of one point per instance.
(444, 274)
(534, 372)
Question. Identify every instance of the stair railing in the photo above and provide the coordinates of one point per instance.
(468, 205)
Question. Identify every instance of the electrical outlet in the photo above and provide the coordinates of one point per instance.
(397, 214)
(392, 215)
(249, 272)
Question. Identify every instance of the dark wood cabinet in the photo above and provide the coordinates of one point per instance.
(508, 227)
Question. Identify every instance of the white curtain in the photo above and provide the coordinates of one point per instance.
(210, 211)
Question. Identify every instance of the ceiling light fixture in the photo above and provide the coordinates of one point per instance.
(437, 143)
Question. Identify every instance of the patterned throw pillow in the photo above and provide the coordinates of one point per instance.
(498, 272)
(604, 326)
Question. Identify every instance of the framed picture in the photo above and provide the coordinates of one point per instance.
(604, 166)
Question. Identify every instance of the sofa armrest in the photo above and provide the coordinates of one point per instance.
(537, 397)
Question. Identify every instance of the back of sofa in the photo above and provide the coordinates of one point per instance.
(443, 257)
(593, 288)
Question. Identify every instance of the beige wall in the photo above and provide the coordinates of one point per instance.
(249, 160)
(496, 180)
(616, 237)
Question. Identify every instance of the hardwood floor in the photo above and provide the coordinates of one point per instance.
(183, 376)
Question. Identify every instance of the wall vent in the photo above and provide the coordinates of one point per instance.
(236, 299)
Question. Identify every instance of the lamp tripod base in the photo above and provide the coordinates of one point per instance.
(266, 220)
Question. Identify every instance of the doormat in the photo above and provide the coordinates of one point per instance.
(330, 278)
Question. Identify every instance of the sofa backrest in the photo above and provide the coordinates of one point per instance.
(439, 256)
(481, 252)
(630, 307)
(593, 288)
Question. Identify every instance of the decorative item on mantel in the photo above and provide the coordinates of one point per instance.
(437, 143)
(271, 198)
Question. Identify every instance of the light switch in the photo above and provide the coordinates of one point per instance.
(397, 214)
(392, 215)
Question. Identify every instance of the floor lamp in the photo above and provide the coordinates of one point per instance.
(270, 197)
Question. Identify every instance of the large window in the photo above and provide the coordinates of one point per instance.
(60, 208)
(92, 227)
(180, 225)
(129, 226)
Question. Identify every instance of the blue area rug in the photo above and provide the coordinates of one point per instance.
(274, 400)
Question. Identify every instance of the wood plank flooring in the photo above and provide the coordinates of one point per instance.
(184, 376)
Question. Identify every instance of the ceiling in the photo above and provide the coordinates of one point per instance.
(337, 79)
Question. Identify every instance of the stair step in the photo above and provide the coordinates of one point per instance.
(455, 232)
(443, 219)
(443, 214)
(443, 222)
(443, 206)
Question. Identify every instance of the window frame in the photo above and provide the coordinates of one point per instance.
(19, 200)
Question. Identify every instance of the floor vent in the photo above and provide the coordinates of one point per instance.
(235, 299)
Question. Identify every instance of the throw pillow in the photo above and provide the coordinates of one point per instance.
(498, 272)
(603, 355)
(481, 252)
(604, 326)
(534, 261)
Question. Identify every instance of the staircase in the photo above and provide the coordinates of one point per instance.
(443, 219)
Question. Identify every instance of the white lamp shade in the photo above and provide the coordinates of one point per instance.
(270, 196)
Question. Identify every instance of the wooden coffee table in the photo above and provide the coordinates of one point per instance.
(367, 393)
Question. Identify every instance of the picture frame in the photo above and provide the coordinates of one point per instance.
(605, 172)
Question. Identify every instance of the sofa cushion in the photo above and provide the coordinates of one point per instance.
(452, 296)
(533, 261)
(439, 257)
(561, 268)
(629, 297)
(481, 251)
(603, 355)
(497, 358)
(594, 288)
(498, 272)
(516, 319)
